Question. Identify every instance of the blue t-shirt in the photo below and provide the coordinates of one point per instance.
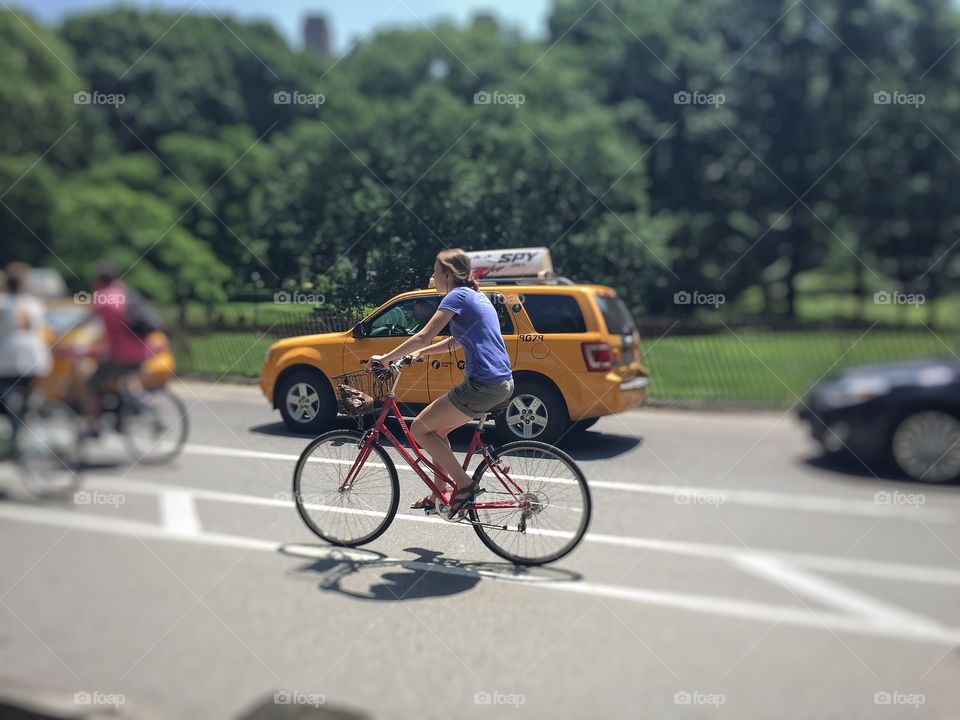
(476, 327)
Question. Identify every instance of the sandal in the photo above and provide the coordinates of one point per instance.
(461, 498)
(424, 503)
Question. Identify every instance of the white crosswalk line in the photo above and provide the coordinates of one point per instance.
(701, 603)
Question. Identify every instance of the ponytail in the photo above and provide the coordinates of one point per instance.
(458, 263)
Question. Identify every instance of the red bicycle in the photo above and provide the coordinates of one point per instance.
(532, 507)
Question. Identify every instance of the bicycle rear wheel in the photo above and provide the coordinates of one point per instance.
(346, 514)
(554, 512)
(154, 425)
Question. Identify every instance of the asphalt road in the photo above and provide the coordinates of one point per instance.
(727, 572)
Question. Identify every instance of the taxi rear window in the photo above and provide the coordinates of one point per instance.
(554, 314)
(616, 315)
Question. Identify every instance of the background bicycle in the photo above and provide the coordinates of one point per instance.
(43, 440)
(151, 420)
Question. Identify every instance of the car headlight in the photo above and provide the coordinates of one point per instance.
(852, 391)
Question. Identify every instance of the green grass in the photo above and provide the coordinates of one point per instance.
(751, 367)
(230, 354)
(772, 368)
(250, 312)
(816, 302)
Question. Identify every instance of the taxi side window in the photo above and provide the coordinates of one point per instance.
(555, 314)
(500, 304)
(404, 318)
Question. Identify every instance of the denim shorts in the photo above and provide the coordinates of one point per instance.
(475, 397)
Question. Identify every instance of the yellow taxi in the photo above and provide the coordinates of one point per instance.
(575, 351)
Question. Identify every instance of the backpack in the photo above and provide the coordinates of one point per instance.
(355, 402)
(141, 318)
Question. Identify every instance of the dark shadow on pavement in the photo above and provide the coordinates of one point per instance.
(277, 429)
(427, 574)
(580, 446)
(598, 445)
(847, 467)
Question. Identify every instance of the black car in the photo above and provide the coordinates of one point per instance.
(905, 413)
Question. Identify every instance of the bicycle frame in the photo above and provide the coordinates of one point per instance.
(417, 459)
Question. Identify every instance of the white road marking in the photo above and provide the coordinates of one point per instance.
(179, 512)
(824, 563)
(707, 604)
(806, 585)
(682, 494)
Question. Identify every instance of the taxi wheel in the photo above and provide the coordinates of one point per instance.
(535, 412)
(306, 401)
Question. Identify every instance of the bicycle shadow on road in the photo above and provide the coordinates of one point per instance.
(426, 575)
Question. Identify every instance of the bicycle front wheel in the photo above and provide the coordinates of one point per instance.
(342, 501)
(47, 449)
(544, 503)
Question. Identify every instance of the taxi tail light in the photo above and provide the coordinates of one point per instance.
(597, 356)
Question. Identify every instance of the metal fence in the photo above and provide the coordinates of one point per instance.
(691, 363)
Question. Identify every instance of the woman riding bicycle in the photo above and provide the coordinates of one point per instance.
(24, 355)
(488, 380)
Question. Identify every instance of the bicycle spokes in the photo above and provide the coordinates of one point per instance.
(345, 490)
(536, 504)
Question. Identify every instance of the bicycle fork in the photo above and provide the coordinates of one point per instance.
(366, 447)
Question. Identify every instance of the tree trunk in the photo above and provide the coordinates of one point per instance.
(859, 287)
(792, 292)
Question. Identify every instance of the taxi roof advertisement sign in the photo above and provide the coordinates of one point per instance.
(511, 262)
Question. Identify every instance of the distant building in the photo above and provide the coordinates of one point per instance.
(316, 35)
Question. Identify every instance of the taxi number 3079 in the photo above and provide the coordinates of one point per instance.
(531, 338)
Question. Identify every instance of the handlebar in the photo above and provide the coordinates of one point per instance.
(383, 372)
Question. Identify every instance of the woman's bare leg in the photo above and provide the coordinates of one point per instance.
(437, 480)
(430, 429)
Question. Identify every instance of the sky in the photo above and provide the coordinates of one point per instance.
(348, 19)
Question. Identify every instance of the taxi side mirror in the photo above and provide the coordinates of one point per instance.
(361, 330)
